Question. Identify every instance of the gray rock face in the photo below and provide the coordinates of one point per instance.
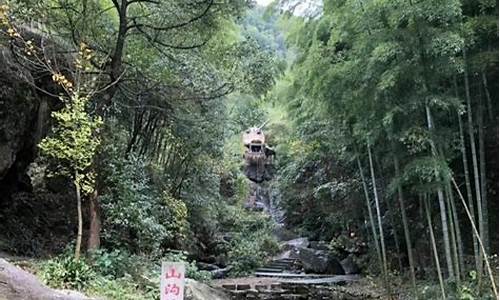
(295, 243)
(199, 291)
(24, 115)
(319, 261)
(17, 284)
(18, 107)
(349, 265)
(314, 256)
(319, 245)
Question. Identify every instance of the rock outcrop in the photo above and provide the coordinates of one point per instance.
(199, 291)
(24, 118)
(17, 284)
(313, 256)
(349, 265)
(26, 196)
(318, 261)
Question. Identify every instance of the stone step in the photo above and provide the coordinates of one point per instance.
(335, 279)
(287, 259)
(293, 297)
(279, 265)
(289, 262)
(289, 275)
(269, 270)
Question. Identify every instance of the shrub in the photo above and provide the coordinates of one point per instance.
(245, 256)
(133, 212)
(122, 288)
(178, 224)
(112, 264)
(66, 272)
(251, 239)
(192, 270)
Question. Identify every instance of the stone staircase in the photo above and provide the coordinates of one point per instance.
(284, 279)
(279, 267)
(291, 289)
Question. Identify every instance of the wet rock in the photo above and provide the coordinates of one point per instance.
(199, 291)
(295, 243)
(319, 261)
(288, 254)
(220, 273)
(17, 284)
(349, 265)
(284, 234)
(216, 271)
(319, 245)
(206, 266)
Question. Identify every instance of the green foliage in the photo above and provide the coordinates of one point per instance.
(251, 240)
(366, 74)
(115, 275)
(114, 264)
(122, 288)
(178, 216)
(65, 272)
(192, 270)
(360, 74)
(74, 142)
(135, 216)
(245, 256)
(468, 289)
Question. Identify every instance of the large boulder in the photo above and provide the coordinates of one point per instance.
(17, 284)
(319, 245)
(318, 261)
(349, 265)
(283, 234)
(295, 244)
(199, 291)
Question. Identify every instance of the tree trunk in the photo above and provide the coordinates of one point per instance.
(470, 200)
(389, 212)
(482, 171)
(458, 232)
(80, 219)
(379, 214)
(396, 238)
(488, 96)
(453, 231)
(94, 240)
(406, 229)
(474, 159)
(434, 247)
(441, 200)
(481, 246)
(370, 214)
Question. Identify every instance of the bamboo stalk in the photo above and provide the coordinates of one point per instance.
(481, 246)
(434, 248)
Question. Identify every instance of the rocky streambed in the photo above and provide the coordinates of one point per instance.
(303, 270)
(344, 287)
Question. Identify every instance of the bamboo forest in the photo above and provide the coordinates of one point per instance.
(249, 149)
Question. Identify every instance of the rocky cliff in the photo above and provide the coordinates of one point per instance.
(24, 115)
(25, 107)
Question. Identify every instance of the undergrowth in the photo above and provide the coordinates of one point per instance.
(113, 275)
